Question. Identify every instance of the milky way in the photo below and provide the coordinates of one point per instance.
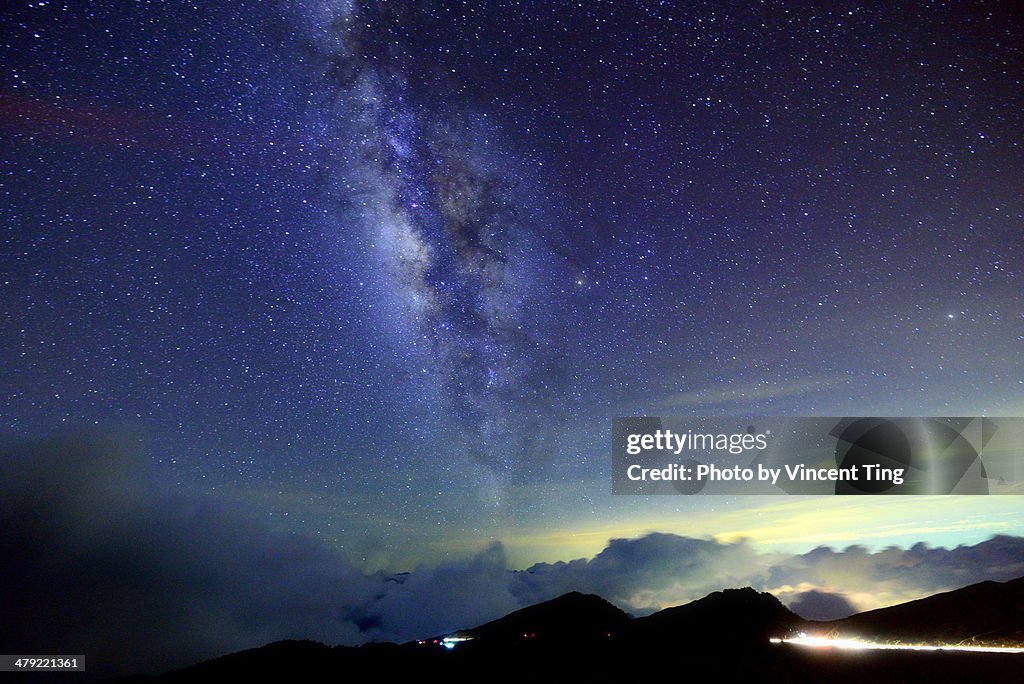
(385, 271)
(442, 207)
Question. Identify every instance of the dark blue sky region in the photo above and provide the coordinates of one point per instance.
(390, 268)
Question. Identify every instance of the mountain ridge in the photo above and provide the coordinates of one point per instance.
(725, 631)
(984, 613)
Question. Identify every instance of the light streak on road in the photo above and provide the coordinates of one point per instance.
(858, 645)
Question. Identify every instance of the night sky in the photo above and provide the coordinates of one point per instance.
(372, 279)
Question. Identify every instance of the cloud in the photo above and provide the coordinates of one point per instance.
(821, 605)
(98, 558)
(436, 600)
(661, 570)
(644, 574)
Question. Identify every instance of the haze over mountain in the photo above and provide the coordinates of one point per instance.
(983, 613)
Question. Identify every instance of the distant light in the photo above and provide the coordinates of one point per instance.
(450, 642)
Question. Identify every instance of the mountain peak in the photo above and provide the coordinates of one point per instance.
(743, 614)
(573, 616)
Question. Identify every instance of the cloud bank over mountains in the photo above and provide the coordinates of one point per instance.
(101, 559)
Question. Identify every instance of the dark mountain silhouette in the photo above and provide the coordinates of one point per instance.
(725, 634)
(989, 613)
(722, 617)
(572, 617)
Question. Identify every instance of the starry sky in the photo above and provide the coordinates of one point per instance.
(379, 275)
